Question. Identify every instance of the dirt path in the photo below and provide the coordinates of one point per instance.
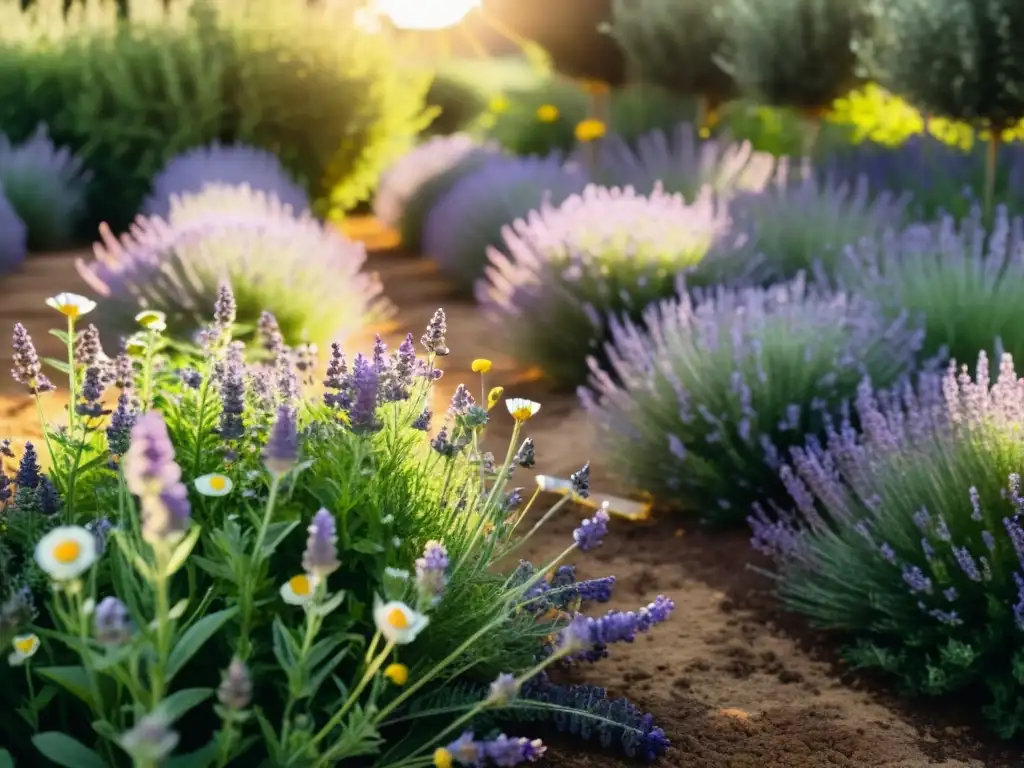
(729, 679)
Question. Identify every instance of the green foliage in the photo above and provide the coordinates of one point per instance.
(458, 104)
(674, 44)
(792, 53)
(907, 539)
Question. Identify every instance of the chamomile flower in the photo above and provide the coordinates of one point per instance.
(66, 552)
(25, 647)
(152, 320)
(136, 344)
(71, 305)
(522, 409)
(398, 674)
(298, 590)
(399, 623)
(214, 484)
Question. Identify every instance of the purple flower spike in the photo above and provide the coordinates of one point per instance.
(27, 369)
(282, 449)
(152, 474)
(432, 572)
(321, 556)
(592, 531)
(230, 375)
(111, 622)
(501, 751)
(29, 471)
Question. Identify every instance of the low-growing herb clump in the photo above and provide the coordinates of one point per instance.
(965, 281)
(703, 399)
(470, 218)
(223, 165)
(598, 256)
(218, 564)
(907, 536)
(307, 273)
(13, 236)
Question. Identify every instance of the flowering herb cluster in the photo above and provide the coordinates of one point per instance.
(213, 541)
(908, 534)
(306, 272)
(598, 256)
(701, 402)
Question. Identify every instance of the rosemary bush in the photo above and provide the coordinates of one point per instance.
(173, 525)
(308, 273)
(907, 537)
(702, 401)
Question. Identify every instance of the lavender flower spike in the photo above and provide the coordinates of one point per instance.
(27, 369)
(282, 449)
(321, 556)
(111, 622)
(434, 339)
(432, 572)
(152, 474)
(592, 531)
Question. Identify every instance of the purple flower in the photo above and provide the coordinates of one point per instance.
(575, 636)
(90, 397)
(321, 556)
(48, 498)
(580, 481)
(432, 572)
(111, 622)
(434, 339)
(422, 422)
(623, 626)
(225, 311)
(268, 331)
(121, 423)
(27, 369)
(461, 402)
(282, 448)
(87, 347)
(501, 751)
(472, 215)
(230, 375)
(235, 690)
(503, 690)
(526, 456)
(443, 445)
(29, 472)
(591, 531)
(13, 236)
(5, 488)
(233, 164)
(151, 473)
(364, 386)
(100, 528)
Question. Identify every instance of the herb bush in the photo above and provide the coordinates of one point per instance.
(681, 162)
(965, 281)
(702, 401)
(411, 187)
(599, 255)
(176, 525)
(907, 539)
(675, 44)
(13, 236)
(128, 95)
(306, 272)
(515, 117)
(802, 223)
(217, 164)
(47, 187)
(470, 218)
(459, 104)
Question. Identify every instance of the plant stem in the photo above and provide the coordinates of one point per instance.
(539, 524)
(163, 621)
(991, 160)
(248, 593)
(31, 696)
(72, 383)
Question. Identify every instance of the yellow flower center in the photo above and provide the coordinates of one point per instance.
(67, 551)
(442, 758)
(398, 619)
(68, 310)
(218, 482)
(300, 585)
(397, 673)
(25, 645)
(522, 414)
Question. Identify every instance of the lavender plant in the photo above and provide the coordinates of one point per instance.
(701, 403)
(306, 272)
(963, 280)
(169, 526)
(906, 537)
(13, 236)
(681, 162)
(47, 188)
(411, 187)
(223, 165)
(800, 223)
(599, 255)
(470, 217)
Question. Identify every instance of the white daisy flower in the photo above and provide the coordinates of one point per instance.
(521, 408)
(152, 320)
(25, 647)
(214, 484)
(298, 590)
(65, 553)
(399, 623)
(71, 304)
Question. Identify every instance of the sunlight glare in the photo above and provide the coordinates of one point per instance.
(425, 14)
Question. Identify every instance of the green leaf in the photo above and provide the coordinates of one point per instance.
(6, 761)
(276, 533)
(62, 335)
(286, 650)
(74, 680)
(66, 751)
(331, 605)
(183, 550)
(180, 702)
(367, 547)
(201, 758)
(178, 610)
(194, 638)
(57, 364)
(215, 569)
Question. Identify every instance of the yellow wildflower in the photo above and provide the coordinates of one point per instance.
(397, 674)
(590, 129)
(481, 365)
(442, 758)
(498, 105)
(547, 113)
(494, 397)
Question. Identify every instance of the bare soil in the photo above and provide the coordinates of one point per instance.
(734, 682)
